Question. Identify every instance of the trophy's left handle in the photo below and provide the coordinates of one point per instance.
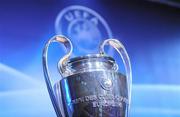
(67, 43)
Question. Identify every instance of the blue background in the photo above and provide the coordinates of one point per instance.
(149, 31)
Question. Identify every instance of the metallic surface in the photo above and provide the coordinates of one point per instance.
(94, 88)
(91, 85)
(89, 63)
(94, 94)
(67, 43)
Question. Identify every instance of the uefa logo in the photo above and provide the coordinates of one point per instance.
(85, 27)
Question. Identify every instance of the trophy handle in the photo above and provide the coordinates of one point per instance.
(118, 46)
(67, 43)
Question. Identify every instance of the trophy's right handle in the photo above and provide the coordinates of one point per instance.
(118, 46)
(67, 43)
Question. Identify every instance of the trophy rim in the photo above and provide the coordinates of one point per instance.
(91, 56)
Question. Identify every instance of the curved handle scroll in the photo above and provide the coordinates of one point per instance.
(118, 46)
(67, 43)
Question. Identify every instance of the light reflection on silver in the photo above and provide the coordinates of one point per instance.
(91, 85)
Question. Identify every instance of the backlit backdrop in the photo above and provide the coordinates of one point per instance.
(150, 32)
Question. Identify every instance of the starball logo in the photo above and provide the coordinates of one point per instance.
(85, 27)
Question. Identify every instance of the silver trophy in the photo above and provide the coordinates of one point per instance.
(91, 85)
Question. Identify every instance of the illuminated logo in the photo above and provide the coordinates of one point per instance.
(83, 26)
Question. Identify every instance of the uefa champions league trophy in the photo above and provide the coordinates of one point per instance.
(91, 85)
